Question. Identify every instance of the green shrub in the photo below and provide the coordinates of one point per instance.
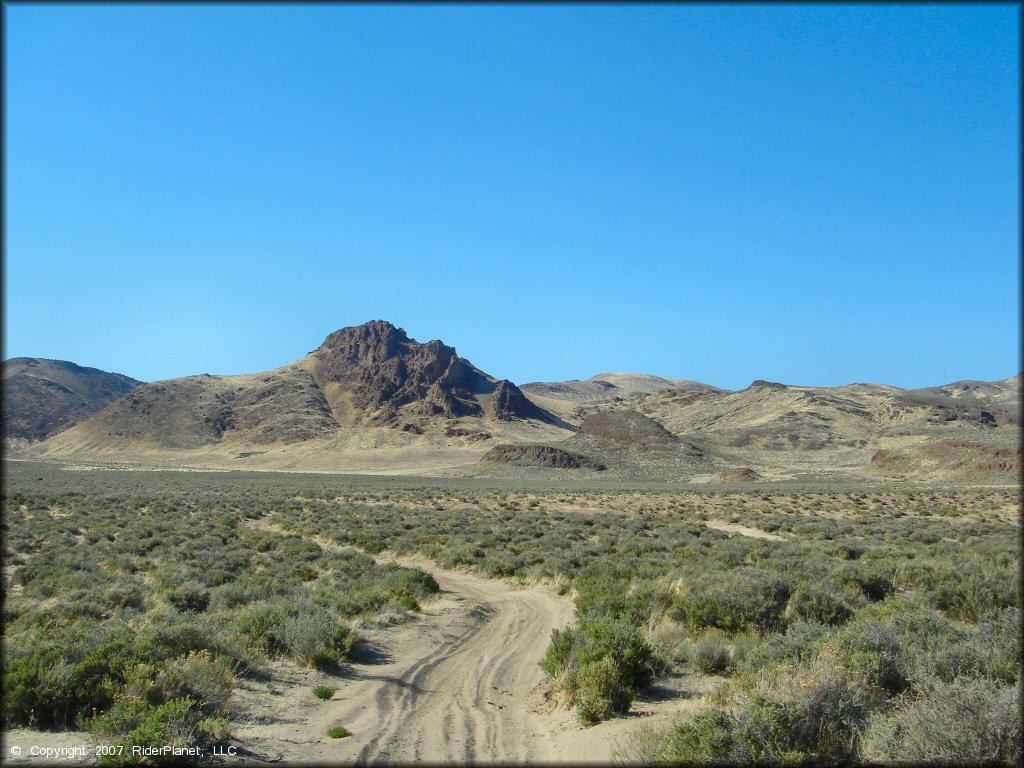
(707, 739)
(771, 731)
(408, 603)
(668, 645)
(175, 723)
(316, 638)
(502, 563)
(205, 680)
(189, 597)
(574, 661)
(932, 645)
(870, 649)
(744, 599)
(872, 579)
(798, 645)
(710, 652)
(236, 593)
(999, 645)
(966, 721)
(600, 691)
(304, 631)
(53, 685)
(339, 732)
(323, 692)
(813, 603)
(259, 626)
(409, 581)
(174, 635)
(809, 713)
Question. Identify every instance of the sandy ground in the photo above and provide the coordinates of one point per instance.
(24, 746)
(743, 530)
(459, 684)
(456, 685)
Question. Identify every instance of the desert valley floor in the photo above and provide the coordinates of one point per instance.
(443, 593)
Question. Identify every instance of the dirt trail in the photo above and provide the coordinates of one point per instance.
(458, 685)
(469, 699)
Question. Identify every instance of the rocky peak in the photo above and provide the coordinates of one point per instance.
(372, 342)
(384, 370)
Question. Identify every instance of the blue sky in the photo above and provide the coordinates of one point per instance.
(814, 194)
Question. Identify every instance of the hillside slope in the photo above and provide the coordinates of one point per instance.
(368, 397)
(967, 431)
(43, 397)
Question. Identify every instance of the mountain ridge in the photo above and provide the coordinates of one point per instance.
(371, 398)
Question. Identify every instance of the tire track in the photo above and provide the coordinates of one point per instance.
(459, 686)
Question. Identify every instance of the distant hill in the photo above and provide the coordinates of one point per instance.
(965, 431)
(367, 390)
(43, 397)
(372, 399)
(608, 386)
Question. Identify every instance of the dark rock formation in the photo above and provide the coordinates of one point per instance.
(537, 455)
(385, 370)
(739, 475)
(510, 403)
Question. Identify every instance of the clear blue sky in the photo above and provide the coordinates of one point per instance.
(813, 194)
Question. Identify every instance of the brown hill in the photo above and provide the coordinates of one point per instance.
(367, 391)
(608, 386)
(43, 397)
(371, 399)
(965, 431)
(950, 461)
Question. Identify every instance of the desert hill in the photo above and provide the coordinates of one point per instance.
(369, 396)
(372, 399)
(569, 399)
(968, 430)
(43, 397)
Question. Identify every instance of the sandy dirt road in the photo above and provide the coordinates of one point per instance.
(460, 684)
(470, 698)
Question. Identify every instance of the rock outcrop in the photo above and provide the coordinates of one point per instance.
(739, 475)
(382, 370)
(364, 377)
(536, 455)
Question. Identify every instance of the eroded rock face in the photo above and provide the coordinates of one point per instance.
(537, 455)
(385, 370)
(510, 403)
(382, 366)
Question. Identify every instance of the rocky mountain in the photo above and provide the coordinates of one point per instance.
(376, 373)
(372, 399)
(369, 388)
(43, 397)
